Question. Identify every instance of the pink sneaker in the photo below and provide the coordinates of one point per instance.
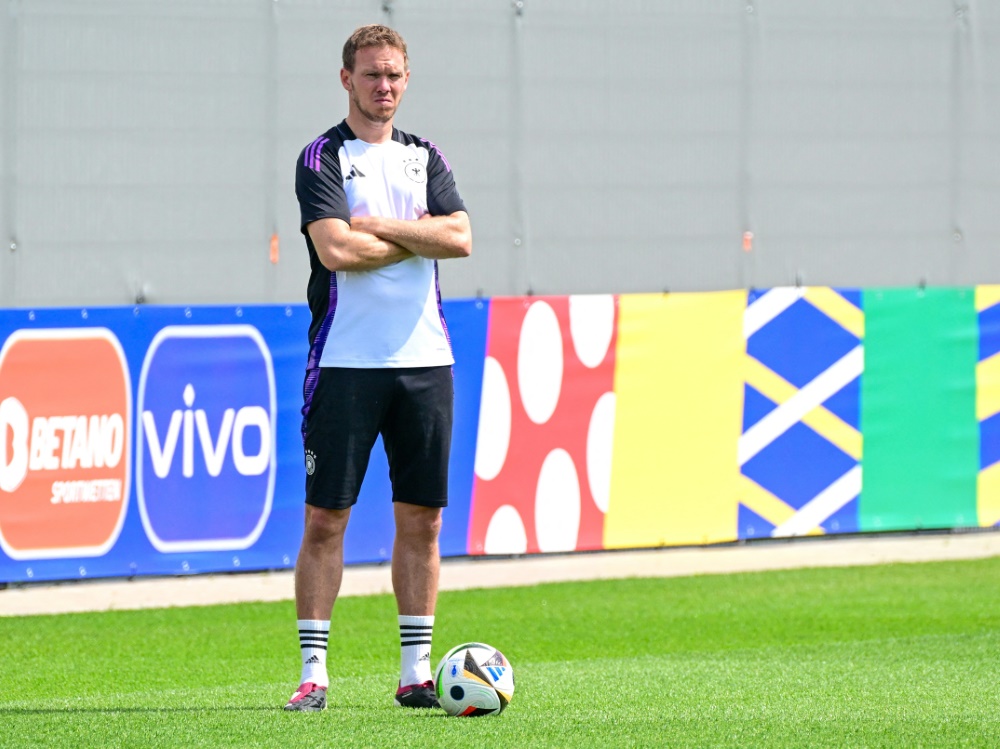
(417, 695)
(308, 697)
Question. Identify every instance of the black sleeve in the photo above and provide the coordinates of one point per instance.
(319, 185)
(442, 193)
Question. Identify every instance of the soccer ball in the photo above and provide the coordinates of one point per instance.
(474, 679)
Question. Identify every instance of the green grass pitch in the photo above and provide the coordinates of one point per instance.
(901, 656)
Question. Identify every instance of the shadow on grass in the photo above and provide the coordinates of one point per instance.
(111, 710)
(13, 711)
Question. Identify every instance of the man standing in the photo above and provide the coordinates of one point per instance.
(379, 209)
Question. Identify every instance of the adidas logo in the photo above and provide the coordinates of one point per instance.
(314, 659)
(355, 172)
(424, 657)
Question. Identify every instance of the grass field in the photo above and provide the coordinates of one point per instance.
(901, 655)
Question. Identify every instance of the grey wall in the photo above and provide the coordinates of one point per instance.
(147, 147)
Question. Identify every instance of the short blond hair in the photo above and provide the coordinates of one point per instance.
(373, 35)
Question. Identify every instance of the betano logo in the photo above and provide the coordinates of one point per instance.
(64, 442)
(205, 443)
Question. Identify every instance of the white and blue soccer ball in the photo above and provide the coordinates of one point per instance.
(474, 679)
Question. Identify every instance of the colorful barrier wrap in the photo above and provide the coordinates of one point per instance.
(675, 476)
(918, 406)
(166, 440)
(800, 451)
(543, 461)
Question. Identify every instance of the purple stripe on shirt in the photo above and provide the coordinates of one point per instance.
(444, 325)
(307, 159)
(312, 155)
(435, 148)
(316, 354)
(317, 165)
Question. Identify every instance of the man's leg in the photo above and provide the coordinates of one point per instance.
(416, 563)
(417, 437)
(320, 566)
(416, 558)
(318, 573)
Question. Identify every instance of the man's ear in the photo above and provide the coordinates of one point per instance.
(345, 79)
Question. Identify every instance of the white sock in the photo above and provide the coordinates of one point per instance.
(313, 637)
(415, 649)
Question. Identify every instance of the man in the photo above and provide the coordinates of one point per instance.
(379, 209)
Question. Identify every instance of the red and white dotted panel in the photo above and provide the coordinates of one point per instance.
(546, 425)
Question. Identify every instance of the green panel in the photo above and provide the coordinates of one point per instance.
(918, 409)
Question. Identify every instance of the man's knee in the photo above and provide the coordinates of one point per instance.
(417, 523)
(323, 525)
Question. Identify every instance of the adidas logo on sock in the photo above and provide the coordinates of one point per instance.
(314, 659)
(424, 657)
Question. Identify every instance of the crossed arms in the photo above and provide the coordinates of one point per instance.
(371, 242)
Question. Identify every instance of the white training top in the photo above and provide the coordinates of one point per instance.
(392, 316)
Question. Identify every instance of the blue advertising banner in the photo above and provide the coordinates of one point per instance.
(167, 440)
(216, 382)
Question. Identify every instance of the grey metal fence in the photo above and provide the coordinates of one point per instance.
(147, 147)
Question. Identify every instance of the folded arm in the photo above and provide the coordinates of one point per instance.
(434, 237)
(341, 246)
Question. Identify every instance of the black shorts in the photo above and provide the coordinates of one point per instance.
(412, 408)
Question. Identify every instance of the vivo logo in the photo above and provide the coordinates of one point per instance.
(205, 439)
(212, 448)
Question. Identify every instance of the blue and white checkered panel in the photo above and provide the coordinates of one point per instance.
(799, 466)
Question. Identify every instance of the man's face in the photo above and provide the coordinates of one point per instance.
(377, 83)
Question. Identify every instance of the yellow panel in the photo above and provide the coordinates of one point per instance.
(838, 309)
(988, 387)
(821, 420)
(989, 496)
(987, 296)
(679, 406)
